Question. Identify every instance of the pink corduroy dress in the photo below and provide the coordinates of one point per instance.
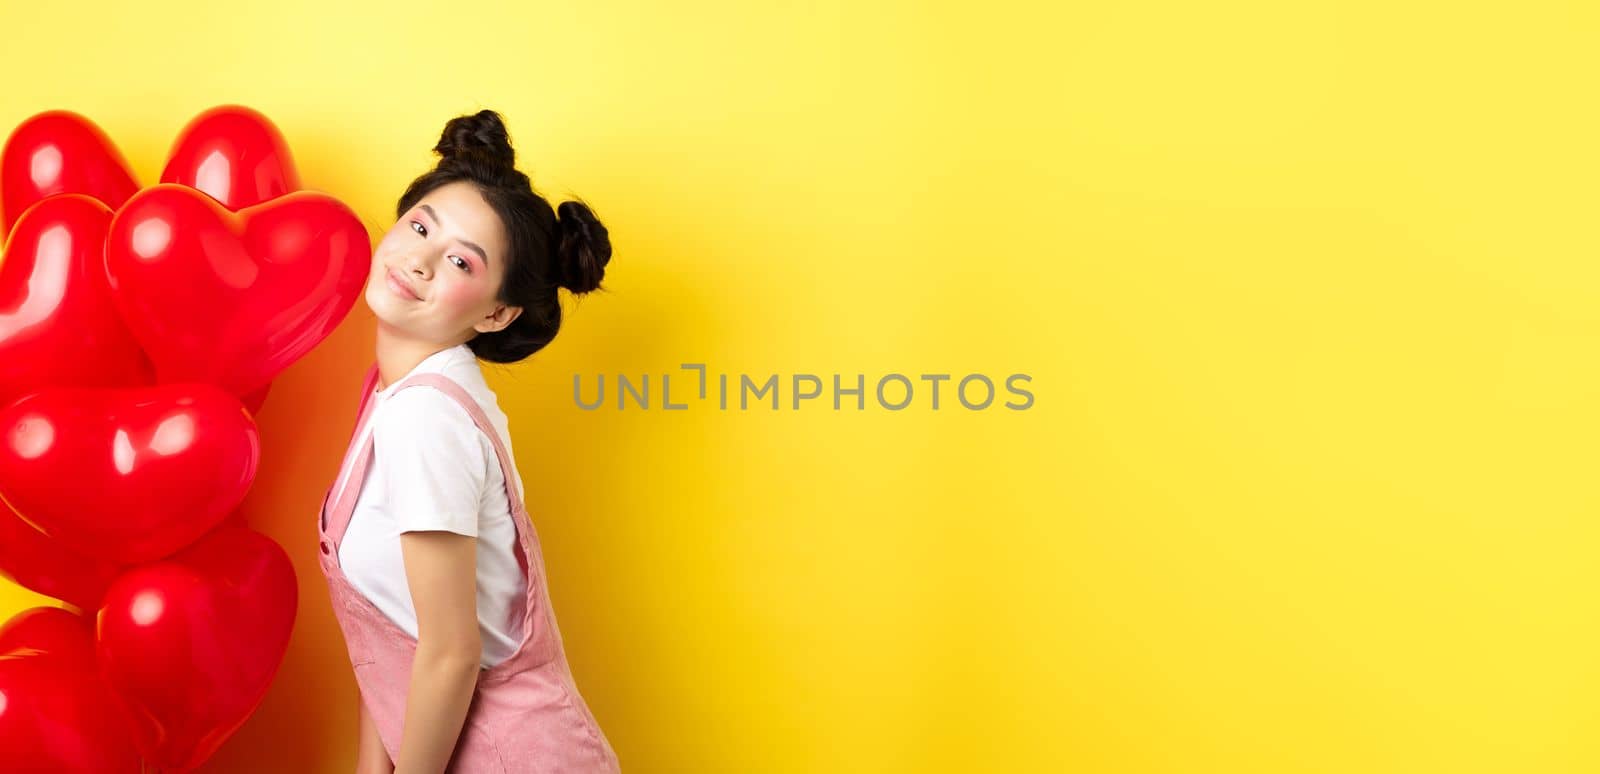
(526, 714)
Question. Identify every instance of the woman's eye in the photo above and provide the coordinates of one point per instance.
(465, 265)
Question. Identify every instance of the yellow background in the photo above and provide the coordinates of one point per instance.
(1308, 293)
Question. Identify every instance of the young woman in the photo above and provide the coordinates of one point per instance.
(433, 567)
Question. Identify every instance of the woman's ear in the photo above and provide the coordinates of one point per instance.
(501, 317)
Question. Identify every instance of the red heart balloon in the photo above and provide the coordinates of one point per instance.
(131, 474)
(58, 324)
(56, 714)
(59, 151)
(190, 645)
(233, 298)
(253, 401)
(30, 559)
(50, 629)
(235, 154)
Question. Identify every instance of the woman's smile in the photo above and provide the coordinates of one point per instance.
(400, 288)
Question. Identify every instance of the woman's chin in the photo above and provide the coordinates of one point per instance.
(382, 306)
(386, 314)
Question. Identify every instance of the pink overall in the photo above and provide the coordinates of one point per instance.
(526, 714)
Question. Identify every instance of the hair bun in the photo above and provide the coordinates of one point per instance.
(481, 135)
(585, 247)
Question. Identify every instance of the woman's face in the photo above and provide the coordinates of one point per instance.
(450, 251)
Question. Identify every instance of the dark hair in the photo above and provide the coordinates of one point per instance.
(544, 253)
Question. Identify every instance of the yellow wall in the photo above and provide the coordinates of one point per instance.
(1307, 291)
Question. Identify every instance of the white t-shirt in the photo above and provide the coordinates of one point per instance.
(432, 469)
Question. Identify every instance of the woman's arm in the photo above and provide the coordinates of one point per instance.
(371, 757)
(441, 569)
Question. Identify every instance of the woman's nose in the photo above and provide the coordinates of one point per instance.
(418, 265)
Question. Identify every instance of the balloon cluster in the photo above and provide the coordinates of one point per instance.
(140, 330)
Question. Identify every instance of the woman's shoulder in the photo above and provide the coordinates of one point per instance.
(424, 404)
(421, 414)
(467, 372)
(415, 399)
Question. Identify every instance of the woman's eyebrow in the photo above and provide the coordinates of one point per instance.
(469, 243)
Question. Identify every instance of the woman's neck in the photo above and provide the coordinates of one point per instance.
(398, 353)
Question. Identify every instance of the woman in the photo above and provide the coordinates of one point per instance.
(433, 566)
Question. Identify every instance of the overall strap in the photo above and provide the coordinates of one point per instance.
(368, 382)
(537, 644)
(449, 387)
(339, 517)
(367, 385)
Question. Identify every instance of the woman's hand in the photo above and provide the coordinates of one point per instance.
(442, 572)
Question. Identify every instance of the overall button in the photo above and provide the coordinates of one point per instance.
(324, 546)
